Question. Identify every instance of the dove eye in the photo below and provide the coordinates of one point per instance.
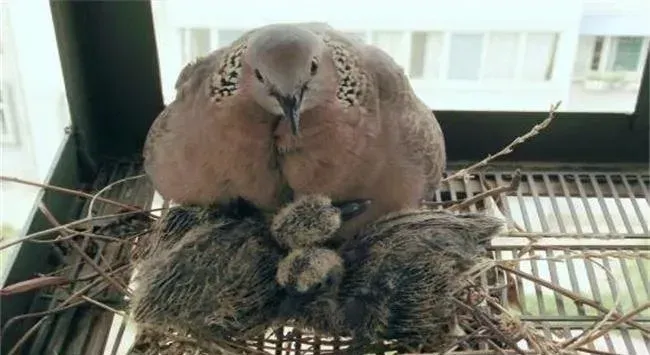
(314, 67)
(259, 76)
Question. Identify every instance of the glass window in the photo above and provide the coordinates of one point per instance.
(426, 51)
(195, 43)
(459, 63)
(465, 56)
(226, 37)
(627, 53)
(539, 56)
(33, 112)
(501, 56)
(393, 43)
(358, 35)
(598, 50)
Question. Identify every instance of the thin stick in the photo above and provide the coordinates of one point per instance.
(63, 226)
(108, 187)
(103, 305)
(574, 296)
(510, 147)
(83, 255)
(67, 191)
(35, 327)
(513, 186)
(602, 331)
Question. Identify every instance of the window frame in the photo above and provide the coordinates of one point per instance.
(89, 36)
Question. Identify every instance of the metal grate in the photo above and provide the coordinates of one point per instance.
(562, 212)
(85, 329)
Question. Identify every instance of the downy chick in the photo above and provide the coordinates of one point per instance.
(399, 276)
(214, 277)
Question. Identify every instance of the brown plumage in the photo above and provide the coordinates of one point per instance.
(352, 126)
(399, 275)
(212, 275)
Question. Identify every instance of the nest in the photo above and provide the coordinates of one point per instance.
(485, 297)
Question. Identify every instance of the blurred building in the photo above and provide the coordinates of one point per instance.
(463, 55)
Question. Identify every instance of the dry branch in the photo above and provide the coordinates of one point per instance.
(513, 186)
(510, 147)
(68, 191)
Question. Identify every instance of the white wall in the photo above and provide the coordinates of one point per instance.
(468, 16)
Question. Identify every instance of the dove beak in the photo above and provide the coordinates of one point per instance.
(291, 109)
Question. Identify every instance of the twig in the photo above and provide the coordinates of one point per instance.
(83, 255)
(568, 293)
(513, 186)
(33, 284)
(602, 331)
(63, 226)
(35, 327)
(486, 322)
(68, 191)
(103, 305)
(106, 188)
(510, 147)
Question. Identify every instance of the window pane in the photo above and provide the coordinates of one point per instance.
(196, 42)
(226, 37)
(426, 50)
(465, 56)
(538, 57)
(392, 42)
(32, 94)
(627, 53)
(522, 60)
(501, 56)
(598, 52)
(358, 35)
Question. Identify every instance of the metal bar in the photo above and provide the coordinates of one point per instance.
(643, 188)
(469, 193)
(542, 218)
(569, 201)
(635, 204)
(522, 207)
(603, 205)
(631, 292)
(627, 340)
(619, 204)
(585, 202)
(612, 285)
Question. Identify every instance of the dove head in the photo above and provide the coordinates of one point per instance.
(286, 72)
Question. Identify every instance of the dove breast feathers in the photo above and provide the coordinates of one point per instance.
(370, 136)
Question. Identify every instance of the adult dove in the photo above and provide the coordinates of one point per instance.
(301, 106)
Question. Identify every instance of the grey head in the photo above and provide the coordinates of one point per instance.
(309, 276)
(288, 73)
(310, 270)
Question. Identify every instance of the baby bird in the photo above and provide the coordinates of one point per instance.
(311, 277)
(212, 271)
(292, 230)
(214, 277)
(402, 271)
(399, 277)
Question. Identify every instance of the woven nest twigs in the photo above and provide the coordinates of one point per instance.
(487, 321)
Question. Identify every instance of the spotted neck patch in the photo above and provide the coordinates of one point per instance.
(352, 81)
(225, 81)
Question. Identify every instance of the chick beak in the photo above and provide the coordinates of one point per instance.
(291, 109)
